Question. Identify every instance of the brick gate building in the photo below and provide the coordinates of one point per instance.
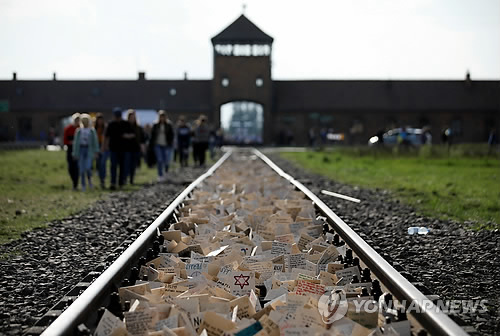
(242, 72)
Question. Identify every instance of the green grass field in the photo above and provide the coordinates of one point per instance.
(36, 184)
(460, 186)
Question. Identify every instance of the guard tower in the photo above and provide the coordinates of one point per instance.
(242, 71)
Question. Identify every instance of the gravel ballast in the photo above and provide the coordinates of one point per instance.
(451, 261)
(46, 263)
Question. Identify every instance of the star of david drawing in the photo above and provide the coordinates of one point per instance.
(241, 280)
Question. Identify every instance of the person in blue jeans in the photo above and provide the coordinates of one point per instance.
(162, 136)
(85, 149)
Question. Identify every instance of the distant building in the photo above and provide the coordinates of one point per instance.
(242, 73)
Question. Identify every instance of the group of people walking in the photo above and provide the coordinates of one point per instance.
(125, 143)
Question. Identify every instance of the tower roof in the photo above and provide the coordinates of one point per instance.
(242, 31)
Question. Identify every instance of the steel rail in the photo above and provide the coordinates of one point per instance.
(89, 300)
(426, 313)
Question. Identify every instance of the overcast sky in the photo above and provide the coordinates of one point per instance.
(334, 39)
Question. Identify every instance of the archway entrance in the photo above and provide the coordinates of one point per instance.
(242, 122)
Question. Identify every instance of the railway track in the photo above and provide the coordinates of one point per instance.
(276, 241)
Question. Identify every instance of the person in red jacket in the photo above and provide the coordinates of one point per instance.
(68, 137)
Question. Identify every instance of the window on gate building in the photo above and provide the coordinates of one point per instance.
(243, 50)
